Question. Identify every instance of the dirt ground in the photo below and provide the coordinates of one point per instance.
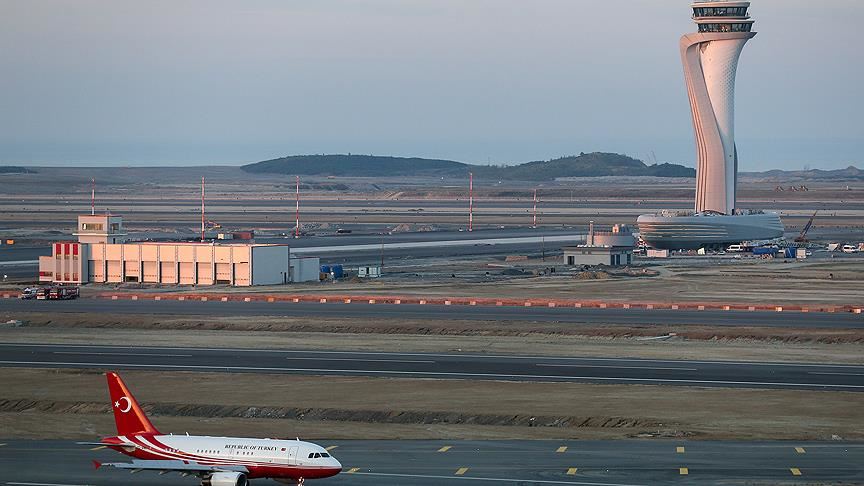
(399, 335)
(72, 404)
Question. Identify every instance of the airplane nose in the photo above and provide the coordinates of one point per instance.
(336, 464)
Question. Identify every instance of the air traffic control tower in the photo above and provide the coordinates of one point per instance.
(710, 57)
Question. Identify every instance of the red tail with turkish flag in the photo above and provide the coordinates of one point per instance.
(128, 415)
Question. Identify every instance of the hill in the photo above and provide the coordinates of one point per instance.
(596, 164)
(11, 169)
(355, 166)
(849, 173)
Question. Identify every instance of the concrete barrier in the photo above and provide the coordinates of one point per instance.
(347, 301)
(626, 306)
(551, 304)
(6, 296)
(322, 301)
(727, 307)
(113, 297)
(603, 305)
(134, 297)
(473, 302)
(397, 301)
(778, 309)
(447, 302)
(371, 301)
(422, 302)
(649, 306)
(856, 310)
(157, 298)
(181, 298)
(674, 306)
(247, 299)
(203, 299)
(701, 308)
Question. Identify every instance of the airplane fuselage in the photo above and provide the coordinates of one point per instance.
(262, 458)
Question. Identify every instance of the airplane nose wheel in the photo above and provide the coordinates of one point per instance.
(300, 482)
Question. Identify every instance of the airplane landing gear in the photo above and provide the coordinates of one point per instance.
(300, 482)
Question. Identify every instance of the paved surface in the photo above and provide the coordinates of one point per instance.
(360, 311)
(432, 463)
(448, 366)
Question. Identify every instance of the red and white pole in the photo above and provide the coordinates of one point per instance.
(470, 201)
(202, 209)
(534, 218)
(297, 227)
(92, 196)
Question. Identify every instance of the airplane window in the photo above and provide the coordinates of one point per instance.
(324, 454)
(311, 455)
(317, 455)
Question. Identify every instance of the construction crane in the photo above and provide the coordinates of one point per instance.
(802, 238)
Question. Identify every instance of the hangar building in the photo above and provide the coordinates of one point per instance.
(102, 255)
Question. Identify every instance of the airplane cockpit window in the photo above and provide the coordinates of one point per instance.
(324, 454)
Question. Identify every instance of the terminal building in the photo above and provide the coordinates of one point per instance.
(103, 254)
(612, 248)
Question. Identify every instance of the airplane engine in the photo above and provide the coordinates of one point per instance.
(226, 479)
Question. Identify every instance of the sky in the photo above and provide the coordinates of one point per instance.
(183, 82)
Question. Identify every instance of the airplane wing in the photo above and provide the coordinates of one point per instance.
(188, 467)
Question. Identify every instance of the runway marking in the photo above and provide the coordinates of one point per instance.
(360, 360)
(444, 355)
(795, 471)
(445, 448)
(81, 353)
(561, 449)
(98, 448)
(436, 374)
(800, 450)
(352, 470)
(45, 484)
(493, 480)
(837, 374)
(572, 471)
(683, 471)
(679, 449)
(330, 448)
(461, 471)
(614, 367)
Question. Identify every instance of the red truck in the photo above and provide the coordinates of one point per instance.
(62, 293)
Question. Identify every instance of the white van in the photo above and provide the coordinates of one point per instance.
(849, 249)
(735, 248)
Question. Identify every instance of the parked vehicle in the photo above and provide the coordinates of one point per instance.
(63, 293)
(849, 249)
(735, 248)
(28, 293)
(42, 293)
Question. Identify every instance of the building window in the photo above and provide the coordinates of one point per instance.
(91, 226)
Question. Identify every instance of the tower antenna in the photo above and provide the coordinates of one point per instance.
(202, 209)
(470, 201)
(534, 218)
(92, 196)
(297, 227)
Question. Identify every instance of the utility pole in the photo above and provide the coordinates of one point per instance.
(202, 210)
(470, 201)
(534, 219)
(92, 196)
(297, 227)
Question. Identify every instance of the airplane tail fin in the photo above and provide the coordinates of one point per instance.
(128, 415)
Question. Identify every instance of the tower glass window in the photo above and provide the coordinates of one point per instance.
(726, 27)
(719, 11)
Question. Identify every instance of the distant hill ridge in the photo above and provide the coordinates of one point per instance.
(12, 169)
(595, 164)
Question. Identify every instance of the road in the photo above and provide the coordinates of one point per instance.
(364, 311)
(442, 366)
(436, 463)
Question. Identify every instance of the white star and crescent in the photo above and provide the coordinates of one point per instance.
(128, 404)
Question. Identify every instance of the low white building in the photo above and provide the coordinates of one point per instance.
(101, 256)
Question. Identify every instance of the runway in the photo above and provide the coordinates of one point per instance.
(503, 315)
(848, 378)
(435, 463)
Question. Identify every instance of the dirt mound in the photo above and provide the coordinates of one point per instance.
(331, 414)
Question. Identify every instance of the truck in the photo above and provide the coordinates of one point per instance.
(62, 293)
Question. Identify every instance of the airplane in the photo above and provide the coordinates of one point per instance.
(216, 461)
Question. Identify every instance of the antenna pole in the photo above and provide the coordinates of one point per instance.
(297, 227)
(92, 196)
(470, 201)
(534, 217)
(202, 209)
